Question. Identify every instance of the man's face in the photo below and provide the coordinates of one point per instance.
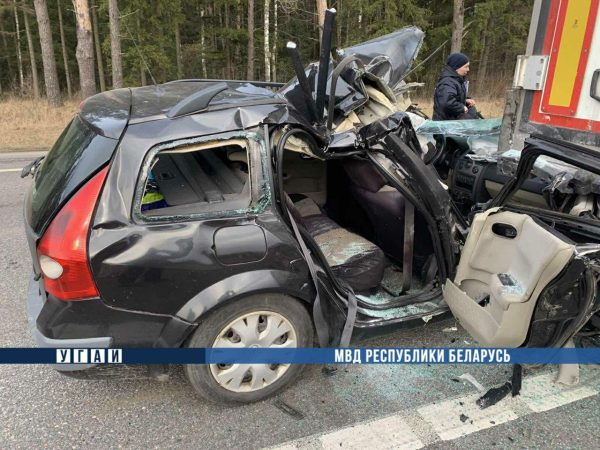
(463, 71)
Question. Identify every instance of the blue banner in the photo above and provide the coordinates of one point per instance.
(300, 356)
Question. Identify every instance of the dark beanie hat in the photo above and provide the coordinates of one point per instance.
(457, 60)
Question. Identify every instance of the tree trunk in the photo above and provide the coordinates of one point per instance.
(99, 60)
(142, 66)
(115, 44)
(321, 7)
(347, 27)
(202, 44)
(63, 46)
(360, 18)
(266, 47)
(224, 42)
(274, 50)
(3, 34)
(457, 25)
(48, 61)
(32, 62)
(85, 48)
(339, 25)
(4, 43)
(18, 45)
(250, 71)
(484, 58)
(238, 27)
(178, 55)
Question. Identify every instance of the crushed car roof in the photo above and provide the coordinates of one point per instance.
(382, 62)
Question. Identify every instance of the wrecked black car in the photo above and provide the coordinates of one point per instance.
(245, 214)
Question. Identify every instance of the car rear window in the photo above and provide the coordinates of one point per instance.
(77, 154)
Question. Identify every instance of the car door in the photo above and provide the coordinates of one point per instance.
(527, 277)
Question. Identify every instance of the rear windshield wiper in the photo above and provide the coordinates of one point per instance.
(32, 167)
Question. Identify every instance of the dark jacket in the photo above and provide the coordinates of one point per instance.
(450, 96)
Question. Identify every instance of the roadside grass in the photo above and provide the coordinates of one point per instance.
(27, 124)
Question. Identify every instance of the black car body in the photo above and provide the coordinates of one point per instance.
(162, 209)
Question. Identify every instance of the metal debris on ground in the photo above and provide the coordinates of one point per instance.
(513, 386)
(494, 395)
(289, 410)
(329, 371)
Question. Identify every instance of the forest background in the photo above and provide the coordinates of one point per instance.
(54, 53)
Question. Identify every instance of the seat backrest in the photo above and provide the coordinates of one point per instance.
(364, 175)
(383, 204)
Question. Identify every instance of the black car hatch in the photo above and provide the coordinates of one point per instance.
(77, 154)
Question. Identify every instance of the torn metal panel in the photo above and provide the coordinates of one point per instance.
(385, 59)
(389, 57)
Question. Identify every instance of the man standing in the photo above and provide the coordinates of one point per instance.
(450, 101)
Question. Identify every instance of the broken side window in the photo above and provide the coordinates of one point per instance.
(210, 177)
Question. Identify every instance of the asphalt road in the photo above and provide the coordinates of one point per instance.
(385, 405)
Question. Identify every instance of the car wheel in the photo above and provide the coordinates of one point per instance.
(259, 321)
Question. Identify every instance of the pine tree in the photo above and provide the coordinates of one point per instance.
(99, 61)
(30, 47)
(48, 61)
(167, 39)
(63, 47)
(85, 48)
(457, 25)
(115, 44)
(250, 73)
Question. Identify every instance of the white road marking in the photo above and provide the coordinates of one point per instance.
(539, 393)
(387, 433)
(445, 417)
(542, 393)
(11, 170)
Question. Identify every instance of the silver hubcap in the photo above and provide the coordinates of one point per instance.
(261, 329)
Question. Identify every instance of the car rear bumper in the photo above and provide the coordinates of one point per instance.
(93, 324)
(35, 303)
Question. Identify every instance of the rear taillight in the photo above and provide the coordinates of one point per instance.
(62, 252)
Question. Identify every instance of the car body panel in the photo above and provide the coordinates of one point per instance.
(163, 265)
(108, 112)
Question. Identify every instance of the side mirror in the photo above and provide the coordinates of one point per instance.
(595, 85)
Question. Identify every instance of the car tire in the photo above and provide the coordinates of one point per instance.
(279, 308)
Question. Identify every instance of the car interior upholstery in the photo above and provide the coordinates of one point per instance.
(356, 219)
(499, 278)
(204, 180)
(354, 259)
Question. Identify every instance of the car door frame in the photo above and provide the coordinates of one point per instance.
(585, 260)
(537, 145)
(420, 184)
